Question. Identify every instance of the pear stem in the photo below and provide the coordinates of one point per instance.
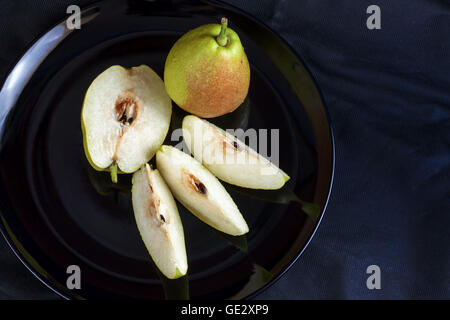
(113, 170)
(222, 38)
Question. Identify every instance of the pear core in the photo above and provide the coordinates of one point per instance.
(126, 109)
(193, 182)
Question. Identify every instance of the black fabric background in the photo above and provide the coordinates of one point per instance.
(388, 94)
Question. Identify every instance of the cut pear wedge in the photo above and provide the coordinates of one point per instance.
(125, 118)
(158, 222)
(199, 191)
(228, 158)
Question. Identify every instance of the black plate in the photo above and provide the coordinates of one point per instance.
(56, 211)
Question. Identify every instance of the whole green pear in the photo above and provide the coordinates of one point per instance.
(207, 71)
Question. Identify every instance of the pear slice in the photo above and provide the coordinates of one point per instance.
(125, 118)
(199, 191)
(228, 158)
(158, 222)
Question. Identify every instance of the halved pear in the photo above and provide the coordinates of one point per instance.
(158, 222)
(125, 118)
(199, 191)
(228, 158)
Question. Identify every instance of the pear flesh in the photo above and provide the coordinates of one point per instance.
(228, 158)
(199, 191)
(125, 118)
(158, 222)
